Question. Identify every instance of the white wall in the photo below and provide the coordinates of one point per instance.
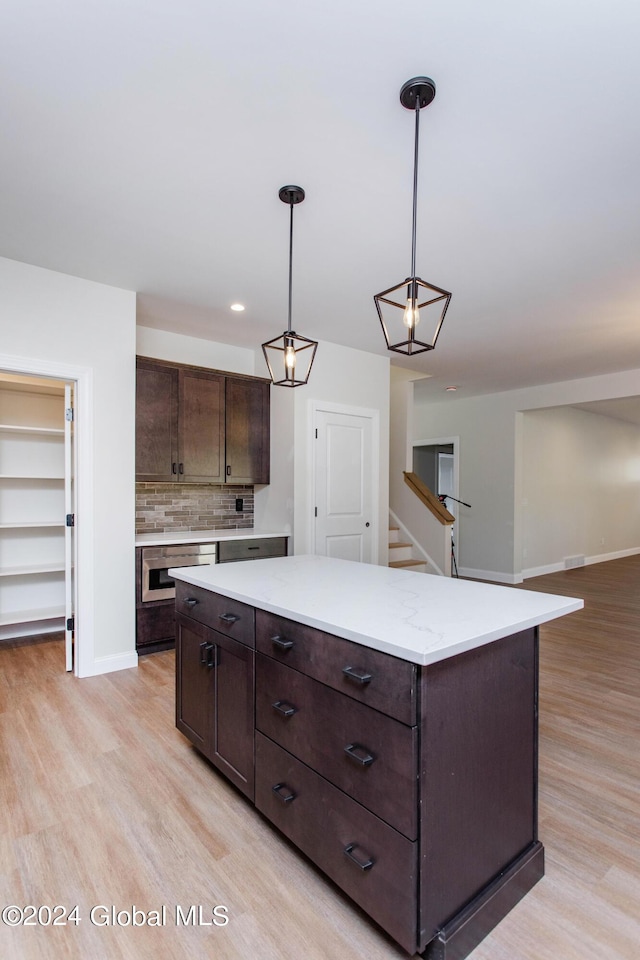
(163, 345)
(491, 462)
(355, 379)
(581, 488)
(65, 326)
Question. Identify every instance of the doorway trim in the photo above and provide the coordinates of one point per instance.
(83, 378)
(321, 406)
(455, 443)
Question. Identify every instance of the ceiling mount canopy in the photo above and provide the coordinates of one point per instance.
(290, 356)
(412, 312)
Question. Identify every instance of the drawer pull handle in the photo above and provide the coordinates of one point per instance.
(203, 653)
(190, 601)
(362, 864)
(358, 753)
(284, 708)
(283, 792)
(352, 674)
(210, 660)
(253, 548)
(281, 643)
(228, 617)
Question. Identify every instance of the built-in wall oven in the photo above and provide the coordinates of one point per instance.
(155, 582)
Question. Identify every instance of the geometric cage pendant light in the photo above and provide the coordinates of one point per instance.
(290, 356)
(412, 312)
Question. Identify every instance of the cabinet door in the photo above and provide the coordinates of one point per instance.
(215, 698)
(201, 427)
(232, 748)
(194, 681)
(247, 431)
(156, 422)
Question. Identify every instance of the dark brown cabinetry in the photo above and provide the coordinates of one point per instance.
(155, 619)
(215, 687)
(200, 426)
(247, 431)
(413, 788)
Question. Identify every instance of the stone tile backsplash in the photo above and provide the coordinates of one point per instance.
(191, 506)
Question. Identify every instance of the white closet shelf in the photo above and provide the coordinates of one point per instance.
(32, 524)
(31, 616)
(31, 476)
(35, 431)
(33, 568)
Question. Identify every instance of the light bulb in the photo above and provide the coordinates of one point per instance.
(411, 317)
(290, 357)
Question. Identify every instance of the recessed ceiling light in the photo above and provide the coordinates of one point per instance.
(237, 307)
(451, 388)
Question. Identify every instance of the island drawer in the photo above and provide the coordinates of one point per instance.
(374, 864)
(370, 756)
(251, 549)
(230, 617)
(384, 682)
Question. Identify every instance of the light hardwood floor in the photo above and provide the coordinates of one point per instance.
(103, 802)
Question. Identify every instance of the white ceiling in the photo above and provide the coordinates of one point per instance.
(144, 143)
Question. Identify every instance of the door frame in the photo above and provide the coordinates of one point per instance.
(322, 406)
(82, 377)
(455, 442)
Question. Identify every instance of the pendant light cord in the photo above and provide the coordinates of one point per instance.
(290, 261)
(415, 191)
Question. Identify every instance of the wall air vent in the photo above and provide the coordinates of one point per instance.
(571, 562)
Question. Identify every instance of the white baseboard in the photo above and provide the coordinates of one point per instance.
(530, 572)
(117, 661)
(543, 570)
(596, 558)
(492, 575)
(615, 555)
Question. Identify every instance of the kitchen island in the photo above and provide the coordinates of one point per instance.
(384, 721)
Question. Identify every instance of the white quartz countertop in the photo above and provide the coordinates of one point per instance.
(414, 616)
(205, 536)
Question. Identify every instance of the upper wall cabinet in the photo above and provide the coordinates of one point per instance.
(200, 426)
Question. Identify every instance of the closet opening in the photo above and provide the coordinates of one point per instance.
(37, 512)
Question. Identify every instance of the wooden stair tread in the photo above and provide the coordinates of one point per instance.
(398, 543)
(407, 563)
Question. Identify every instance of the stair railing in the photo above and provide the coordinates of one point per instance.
(429, 499)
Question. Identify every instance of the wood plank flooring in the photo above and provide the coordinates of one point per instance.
(103, 802)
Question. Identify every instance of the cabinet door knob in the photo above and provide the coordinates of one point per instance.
(352, 674)
(364, 864)
(281, 644)
(360, 754)
(283, 792)
(283, 708)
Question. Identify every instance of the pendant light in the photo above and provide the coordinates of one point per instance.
(412, 312)
(290, 356)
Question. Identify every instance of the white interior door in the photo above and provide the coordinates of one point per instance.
(345, 512)
(69, 530)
